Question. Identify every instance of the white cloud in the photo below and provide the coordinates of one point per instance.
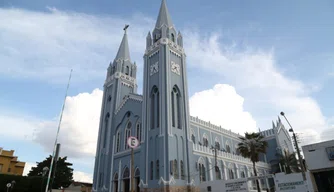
(46, 45)
(79, 127)
(222, 106)
(82, 177)
(257, 78)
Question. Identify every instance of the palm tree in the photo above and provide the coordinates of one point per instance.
(290, 162)
(251, 146)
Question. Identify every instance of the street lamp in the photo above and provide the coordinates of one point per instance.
(297, 148)
(45, 170)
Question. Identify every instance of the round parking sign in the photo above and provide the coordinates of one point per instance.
(133, 142)
(9, 185)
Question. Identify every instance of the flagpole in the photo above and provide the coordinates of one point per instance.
(54, 147)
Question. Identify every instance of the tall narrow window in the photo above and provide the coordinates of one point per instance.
(157, 174)
(158, 109)
(152, 111)
(178, 105)
(155, 107)
(151, 176)
(173, 38)
(200, 172)
(127, 72)
(203, 173)
(105, 130)
(193, 138)
(138, 132)
(228, 149)
(127, 134)
(176, 171)
(218, 176)
(182, 170)
(173, 109)
(231, 174)
(118, 140)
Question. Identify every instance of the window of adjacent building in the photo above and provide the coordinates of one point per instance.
(157, 170)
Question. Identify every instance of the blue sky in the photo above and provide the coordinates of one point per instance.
(247, 61)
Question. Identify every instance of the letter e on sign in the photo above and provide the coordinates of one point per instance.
(133, 142)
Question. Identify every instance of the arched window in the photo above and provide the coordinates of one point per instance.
(127, 134)
(126, 173)
(205, 141)
(243, 174)
(176, 107)
(176, 171)
(182, 170)
(230, 172)
(218, 175)
(116, 182)
(173, 38)
(138, 132)
(127, 72)
(151, 170)
(157, 170)
(217, 144)
(203, 173)
(118, 141)
(193, 138)
(106, 120)
(155, 108)
(228, 149)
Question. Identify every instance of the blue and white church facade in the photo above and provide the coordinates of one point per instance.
(175, 151)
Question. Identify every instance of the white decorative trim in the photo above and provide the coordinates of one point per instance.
(170, 182)
(118, 75)
(142, 184)
(192, 183)
(154, 68)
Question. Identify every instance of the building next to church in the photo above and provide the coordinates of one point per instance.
(174, 152)
(9, 163)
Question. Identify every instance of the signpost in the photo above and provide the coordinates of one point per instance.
(8, 186)
(132, 143)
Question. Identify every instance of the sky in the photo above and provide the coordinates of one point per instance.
(246, 62)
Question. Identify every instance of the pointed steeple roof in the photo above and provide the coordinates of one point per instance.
(123, 51)
(164, 17)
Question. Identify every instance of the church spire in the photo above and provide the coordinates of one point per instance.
(164, 17)
(123, 51)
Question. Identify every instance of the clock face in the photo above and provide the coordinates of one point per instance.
(154, 68)
(175, 68)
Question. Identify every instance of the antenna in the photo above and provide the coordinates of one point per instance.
(55, 145)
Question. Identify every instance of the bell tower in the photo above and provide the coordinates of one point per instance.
(165, 105)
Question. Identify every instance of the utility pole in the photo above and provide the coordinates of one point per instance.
(297, 148)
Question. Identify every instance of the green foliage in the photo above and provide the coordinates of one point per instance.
(290, 162)
(22, 183)
(251, 146)
(63, 176)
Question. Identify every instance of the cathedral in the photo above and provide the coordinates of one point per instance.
(176, 151)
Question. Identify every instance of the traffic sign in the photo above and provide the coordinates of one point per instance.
(9, 185)
(133, 142)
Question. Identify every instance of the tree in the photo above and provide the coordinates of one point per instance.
(63, 176)
(251, 146)
(290, 162)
